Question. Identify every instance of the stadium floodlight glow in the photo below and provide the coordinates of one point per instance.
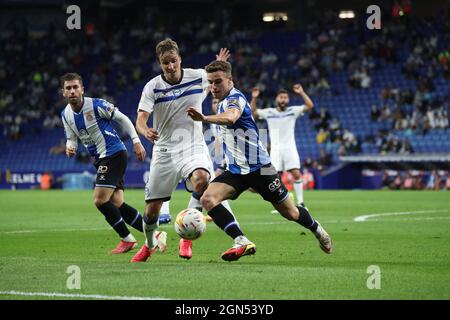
(346, 14)
(275, 16)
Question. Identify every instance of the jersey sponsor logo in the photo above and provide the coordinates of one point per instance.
(85, 138)
(102, 169)
(276, 184)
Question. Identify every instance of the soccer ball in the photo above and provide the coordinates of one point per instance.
(190, 224)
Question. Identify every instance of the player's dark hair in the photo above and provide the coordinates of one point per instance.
(281, 91)
(69, 77)
(166, 45)
(217, 65)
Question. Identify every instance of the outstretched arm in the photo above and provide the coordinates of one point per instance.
(298, 89)
(229, 117)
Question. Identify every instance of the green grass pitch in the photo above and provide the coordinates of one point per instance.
(43, 233)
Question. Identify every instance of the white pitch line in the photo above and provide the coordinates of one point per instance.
(54, 230)
(73, 295)
(368, 216)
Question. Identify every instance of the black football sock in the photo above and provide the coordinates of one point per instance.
(225, 221)
(306, 220)
(131, 216)
(113, 217)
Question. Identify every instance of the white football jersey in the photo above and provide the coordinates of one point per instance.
(168, 103)
(281, 126)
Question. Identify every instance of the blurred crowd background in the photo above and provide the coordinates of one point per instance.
(376, 92)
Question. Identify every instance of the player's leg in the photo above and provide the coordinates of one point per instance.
(298, 185)
(112, 215)
(292, 165)
(155, 194)
(131, 216)
(164, 215)
(227, 186)
(268, 183)
(153, 238)
(110, 172)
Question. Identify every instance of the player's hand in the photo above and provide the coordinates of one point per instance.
(194, 114)
(298, 89)
(151, 135)
(255, 92)
(70, 152)
(224, 54)
(139, 151)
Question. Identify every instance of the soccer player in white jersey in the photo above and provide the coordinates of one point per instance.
(281, 122)
(90, 120)
(180, 151)
(249, 165)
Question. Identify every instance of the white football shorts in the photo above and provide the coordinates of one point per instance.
(167, 169)
(284, 160)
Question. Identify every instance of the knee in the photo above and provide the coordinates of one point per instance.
(208, 201)
(296, 174)
(99, 201)
(200, 186)
(200, 181)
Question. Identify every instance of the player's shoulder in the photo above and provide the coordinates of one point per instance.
(101, 103)
(235, 94)
(152, 83)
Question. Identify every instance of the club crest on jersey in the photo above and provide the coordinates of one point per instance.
(275, 185)
(89, 116)
(176, 92)
(102, 169)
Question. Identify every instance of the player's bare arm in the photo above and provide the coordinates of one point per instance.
(255, 94)
(298, 89)
(141, 125)
(229, 117)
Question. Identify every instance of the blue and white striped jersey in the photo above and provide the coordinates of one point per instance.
(243, 148)
(92, 125)
(168, 103)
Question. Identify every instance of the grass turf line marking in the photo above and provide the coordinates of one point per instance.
(363, 218)
(73, 295)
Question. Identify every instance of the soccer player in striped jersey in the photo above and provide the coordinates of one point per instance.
(281, 122)
(180, 150)
(90, 120)
(249, 165)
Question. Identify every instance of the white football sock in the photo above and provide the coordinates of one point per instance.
(165, 208)
(298, 188)
(129, 238)
(150, 231)
(194, 203)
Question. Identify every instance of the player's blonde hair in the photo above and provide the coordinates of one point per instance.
(166, 45)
